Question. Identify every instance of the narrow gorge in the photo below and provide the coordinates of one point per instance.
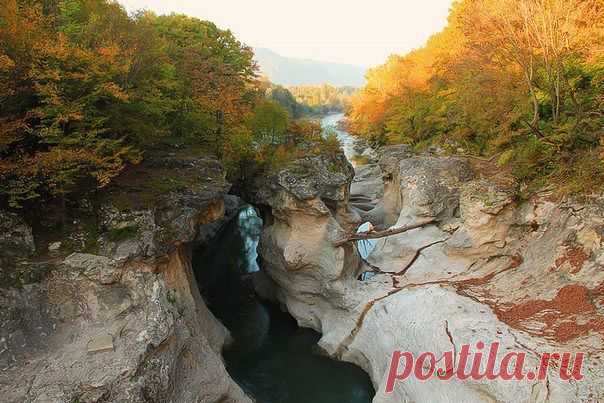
(482, 267)
(296, 202)
(128, 320)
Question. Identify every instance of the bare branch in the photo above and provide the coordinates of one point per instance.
(382, 234)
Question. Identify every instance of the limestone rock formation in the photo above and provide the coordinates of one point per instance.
(125, 323)
(527, 275)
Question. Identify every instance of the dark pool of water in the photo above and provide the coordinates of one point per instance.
(272, 359)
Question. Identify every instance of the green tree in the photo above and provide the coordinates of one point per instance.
(269, 123)
(216, 85)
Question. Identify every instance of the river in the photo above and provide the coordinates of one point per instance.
(272, 359)
(330, 123)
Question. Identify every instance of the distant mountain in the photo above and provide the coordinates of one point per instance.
(289, 71)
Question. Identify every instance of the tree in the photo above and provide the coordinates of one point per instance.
(515, 78)
(269, 123)
(217, 73)
(285, 98)
(86, 90)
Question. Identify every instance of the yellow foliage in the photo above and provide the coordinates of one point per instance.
(115, 91)
(523, 78)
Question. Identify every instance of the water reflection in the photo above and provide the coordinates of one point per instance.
(272, 359)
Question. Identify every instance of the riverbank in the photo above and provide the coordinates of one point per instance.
(271, 358)
(452, 282)
(355, 149)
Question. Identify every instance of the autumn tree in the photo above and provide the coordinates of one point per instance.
(321, 99)
(86, 90)
(516, 79)
(216, 85)
(286, 99)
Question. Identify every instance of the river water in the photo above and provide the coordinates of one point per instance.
(330, 123)
(272, 359)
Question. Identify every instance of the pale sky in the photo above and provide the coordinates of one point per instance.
(356, 32)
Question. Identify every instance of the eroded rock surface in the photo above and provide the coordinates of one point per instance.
(124, 322)
(527, 275)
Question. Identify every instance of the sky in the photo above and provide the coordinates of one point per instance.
(358, 32)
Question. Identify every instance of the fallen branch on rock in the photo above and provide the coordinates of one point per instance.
(382, 234)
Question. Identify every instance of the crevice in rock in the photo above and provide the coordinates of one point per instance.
(416, 256)
(527, 348)
(463, 286)
(359, 323)
(450, 336)
(332, 206)
(456, 284)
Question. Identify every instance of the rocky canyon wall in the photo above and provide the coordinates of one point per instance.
(526, 274)
(123, 320)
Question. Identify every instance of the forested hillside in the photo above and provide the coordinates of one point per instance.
(87, 91)
(323, 98)
(310, 100)
(520, 82)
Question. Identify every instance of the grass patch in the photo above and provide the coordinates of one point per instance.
(142, 187)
